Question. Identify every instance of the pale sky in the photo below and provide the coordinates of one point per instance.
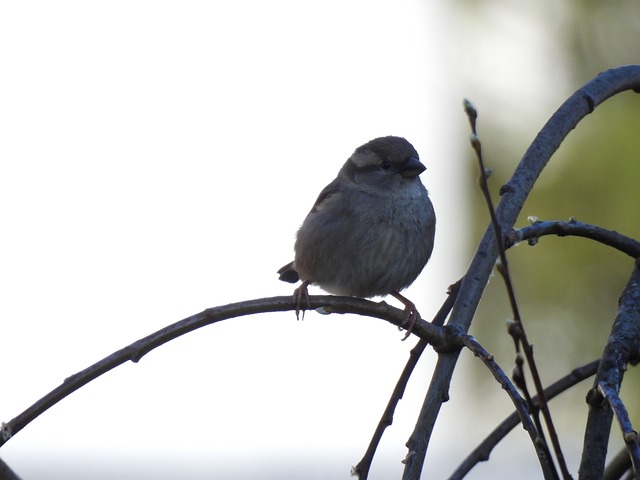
(157, 159)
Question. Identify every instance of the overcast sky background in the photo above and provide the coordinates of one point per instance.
(157, 159)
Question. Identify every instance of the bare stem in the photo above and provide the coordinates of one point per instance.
(428, 332)
(520, 404)
(361, 470)
(629, 435)
(575, 228)
(514, 195)
(620, 350)
(481, 452)
(519, 333)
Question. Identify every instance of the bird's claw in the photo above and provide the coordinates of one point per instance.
(411, 318)
(301, 295)
(411, 315)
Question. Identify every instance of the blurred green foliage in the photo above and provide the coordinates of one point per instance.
(573, 283)
(567, 288)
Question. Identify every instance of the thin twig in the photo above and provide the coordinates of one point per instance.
(437, 394)
(519, 333)
(629, 435)
(483, 450)
(361, 470)
(428, 332)
(575, 228)
(472, 114)
(521, 405)
(620, 350)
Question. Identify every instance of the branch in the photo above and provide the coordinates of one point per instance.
(361, 470)
(472, 114)
(574, 228)
(481, 452)
(514, 194)
(517, 330)
(435, 335)
(518, 402)
(618, 466)
(629, 435)
(620, 350)
(6, 473)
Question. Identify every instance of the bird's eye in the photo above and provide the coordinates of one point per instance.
(385, 165)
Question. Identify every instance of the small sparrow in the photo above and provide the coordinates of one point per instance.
(370, 232)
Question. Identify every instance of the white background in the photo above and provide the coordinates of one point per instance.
(157, 159)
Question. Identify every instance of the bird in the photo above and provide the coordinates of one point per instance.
(371, 231)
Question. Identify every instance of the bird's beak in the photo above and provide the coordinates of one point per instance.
(412, 168)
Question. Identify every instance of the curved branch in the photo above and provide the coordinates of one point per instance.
(620, 350)
(361, 470)
(433, 334)
(481, 452)
(514, 195)
(574, 228)
(629, 435)
(6, 473)
(517, 189)
(519, 402)
(618, 466)
(518, 331)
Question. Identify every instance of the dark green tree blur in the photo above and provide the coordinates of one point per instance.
(567, 288)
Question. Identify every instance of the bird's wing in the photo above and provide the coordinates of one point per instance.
(326, 192)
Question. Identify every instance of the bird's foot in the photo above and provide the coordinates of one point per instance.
(411, 318)
(411, 315)
(301, 295)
